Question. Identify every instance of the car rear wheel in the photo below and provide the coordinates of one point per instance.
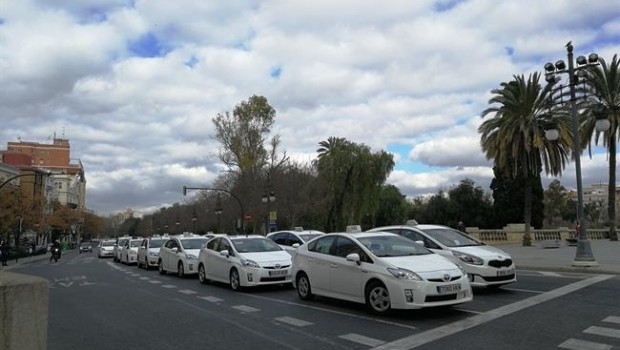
(160, 266)
(180, 269)
(235, 283)
(303, 287)
(202, 274)
(378, 298)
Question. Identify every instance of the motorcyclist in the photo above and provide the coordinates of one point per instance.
(55, 245)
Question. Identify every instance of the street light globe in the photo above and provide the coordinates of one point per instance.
(602, 124)
(552, 134)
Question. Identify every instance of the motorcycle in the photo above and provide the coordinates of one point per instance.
(55, 254)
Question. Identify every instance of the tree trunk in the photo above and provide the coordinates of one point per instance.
(611, 195)
(527, 211)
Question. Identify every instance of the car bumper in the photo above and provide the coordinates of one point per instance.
(104, 253)
(152, 260)
(259, 277)
(417, 294)
(484, 276)
(190, 267)
(132, 259)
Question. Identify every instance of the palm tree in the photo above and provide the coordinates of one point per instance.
(515, 136)
(604, 81)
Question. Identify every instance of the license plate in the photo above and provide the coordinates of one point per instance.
(505, 272)
(278, 273)
(449, 288)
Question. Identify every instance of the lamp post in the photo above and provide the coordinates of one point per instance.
(268, 197)
(583, 256)
(218, 212)
(194, 219)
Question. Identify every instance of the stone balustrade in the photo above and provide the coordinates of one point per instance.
(513, 233)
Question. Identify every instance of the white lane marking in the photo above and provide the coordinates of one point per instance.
(154, 281)
(212, 299)
(612, 319)
(168, 286)
(470, 311)
(360, 339)
(524, 290)
(135, 275)
(187, 291)
(245, 308)
(293, 321)
(577, 344)
(604, 331)
(419, 339)
(333, 311)
(549, 273)
(144, 278)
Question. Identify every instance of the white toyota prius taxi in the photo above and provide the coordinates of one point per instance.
(383, 270)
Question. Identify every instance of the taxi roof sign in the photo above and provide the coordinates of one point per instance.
(354, 228)
(298, 229)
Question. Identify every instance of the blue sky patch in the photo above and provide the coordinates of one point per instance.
(509, 50)
(192, 61)
(1, 21)
(275, 72)
(148, 46)
(446, 5)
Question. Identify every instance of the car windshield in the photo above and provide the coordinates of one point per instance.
(85, 244)
(107, 244)
(194, 243)
(255, 245)
(450, 237)
(155, 243)
(388, 246)
(308, 236)
(135, 243)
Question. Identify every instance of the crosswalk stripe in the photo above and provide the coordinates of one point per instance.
(578, 344)
(187, 291)
(607, 332)
(293, 321)
(612, 319)
(168, 286)
(212, 299)
(245, 308)
(360, 339)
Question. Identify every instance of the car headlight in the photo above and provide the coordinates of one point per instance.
(249, 263)
(461, 268)
(153, 253)
(468, 259)
(190, 256)
(404, 274)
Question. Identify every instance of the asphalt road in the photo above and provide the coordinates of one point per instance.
(98, 304)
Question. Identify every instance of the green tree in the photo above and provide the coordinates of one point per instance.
(469, 204)
(604, 102)
(556, 200)
(515, 136)
(392, 207)
(353, 176)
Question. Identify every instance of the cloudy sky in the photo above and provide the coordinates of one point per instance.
(134, 84)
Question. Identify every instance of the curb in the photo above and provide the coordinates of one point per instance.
(572, 269)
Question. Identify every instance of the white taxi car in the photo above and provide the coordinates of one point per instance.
(486, 266)
(179, 254)
(290, 240)
(129, 252)
(244, 261)
(118, 247)
(382, 270)
(148, 251)
(105, 248)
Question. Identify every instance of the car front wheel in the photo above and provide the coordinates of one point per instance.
(180, 269)
(235, 283)
(303, 287)
(202, 274)
(160, 266)
(378, 298)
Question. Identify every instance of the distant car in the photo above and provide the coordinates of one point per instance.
(290, 240)
(244, 261)
(382, 270)
(129, 252)
(148, 251)
(118, 247)
(85, 247)
(486, 266)
(105, 248)
(179, 254)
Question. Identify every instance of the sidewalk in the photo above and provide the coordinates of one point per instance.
(605, 252)
(12, 264)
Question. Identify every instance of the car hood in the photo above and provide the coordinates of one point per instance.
(153, 250)
(194, 252)
(484, 251)
(279, 256)
(422, 264)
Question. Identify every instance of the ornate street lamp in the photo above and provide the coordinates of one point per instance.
(584, 256)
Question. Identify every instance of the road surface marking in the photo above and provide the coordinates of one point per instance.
(135, 275)
(576, 344)
(245, 308)
(470, 311)
(144, 278)
(419, 339)
(168, 286)
(607, 332)
(212, 299)
(524, 290)
(360, 339)
(378, 320)
(612, 319)
(548, 273)
(154, 281)
(187, 291)
(293, 321)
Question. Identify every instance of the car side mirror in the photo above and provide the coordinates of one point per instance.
(296, 245)
(224, 253)
(175, 250)
(355, 258)
(420, 243)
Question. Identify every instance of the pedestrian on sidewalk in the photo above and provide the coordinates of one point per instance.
(4, 252)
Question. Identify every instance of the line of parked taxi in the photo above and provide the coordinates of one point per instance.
(393, 267)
